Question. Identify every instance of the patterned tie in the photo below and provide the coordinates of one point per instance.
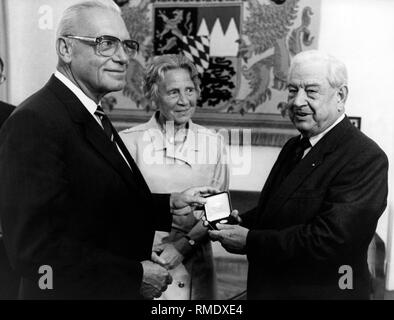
(114, 137)
(105, 122)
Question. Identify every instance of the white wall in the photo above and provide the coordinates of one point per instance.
(32, 56)
(260, 164)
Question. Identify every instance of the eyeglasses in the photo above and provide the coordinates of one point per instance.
(2, 78)
(107, 46)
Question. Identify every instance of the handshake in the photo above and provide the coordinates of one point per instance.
(156, 277)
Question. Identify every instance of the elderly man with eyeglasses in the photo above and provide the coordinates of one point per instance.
(77, 215)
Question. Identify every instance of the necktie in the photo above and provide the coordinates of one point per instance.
(295, 156)
(105, 122)
(300, 147)
(109, 131)
(289, 163)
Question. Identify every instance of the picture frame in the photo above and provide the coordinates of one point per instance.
(356, 121)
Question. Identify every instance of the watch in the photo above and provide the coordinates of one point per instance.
(190, 240)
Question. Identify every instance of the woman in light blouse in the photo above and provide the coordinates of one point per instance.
(174, 153)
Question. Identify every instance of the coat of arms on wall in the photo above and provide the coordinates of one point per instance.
(242, 49)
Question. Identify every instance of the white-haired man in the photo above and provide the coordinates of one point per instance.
(72, 198)
(309, 234)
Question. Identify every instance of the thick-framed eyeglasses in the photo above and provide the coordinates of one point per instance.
(107, 46)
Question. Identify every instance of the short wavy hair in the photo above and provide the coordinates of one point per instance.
(157, 68)
(336, 69)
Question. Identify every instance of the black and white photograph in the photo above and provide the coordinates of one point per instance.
(196, 155)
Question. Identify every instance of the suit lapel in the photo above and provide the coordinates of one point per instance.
(293, 181)
(93, 132)
(304, 169)
(137, 175)
(99, 140)
(269, 184)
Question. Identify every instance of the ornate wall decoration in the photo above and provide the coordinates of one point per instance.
(242, 49)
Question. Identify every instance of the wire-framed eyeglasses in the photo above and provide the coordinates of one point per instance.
(107, 46)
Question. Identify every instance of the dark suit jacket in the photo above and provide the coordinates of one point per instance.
(5, 111)
(69, 200)
(321, 217)
(8, 279)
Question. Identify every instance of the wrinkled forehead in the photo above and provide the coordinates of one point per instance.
(97, 22)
